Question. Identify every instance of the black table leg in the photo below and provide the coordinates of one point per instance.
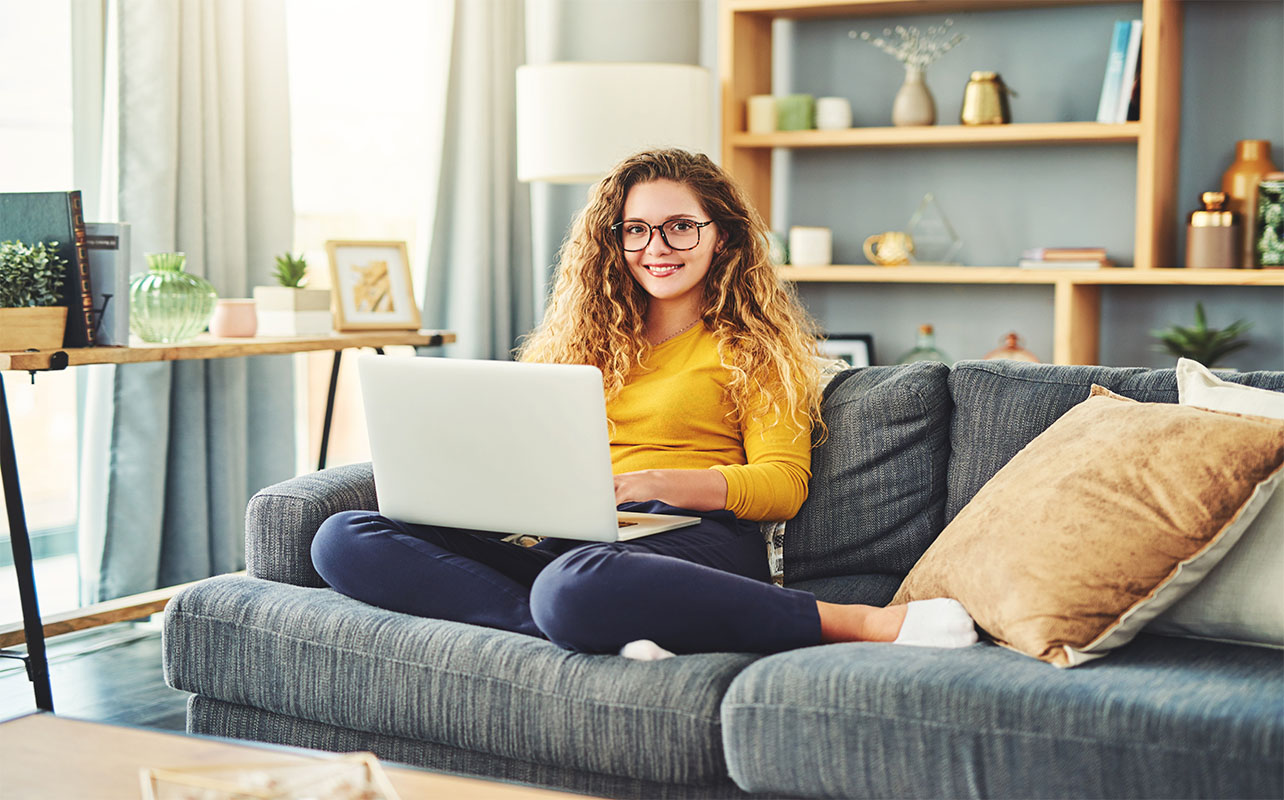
(36, 660)
(329, 406)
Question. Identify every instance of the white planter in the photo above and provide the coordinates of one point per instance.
(283, 311)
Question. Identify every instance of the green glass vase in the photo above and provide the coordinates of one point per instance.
(167, 304)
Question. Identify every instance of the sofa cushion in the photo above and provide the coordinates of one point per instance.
(1103, 521)
(317, 655)
(877, 493)
(1000, 405)
(1163, 718)
(1239, 600)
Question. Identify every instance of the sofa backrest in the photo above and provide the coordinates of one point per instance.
(908, 446)
(999, 406)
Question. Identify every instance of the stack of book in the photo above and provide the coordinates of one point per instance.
(1064, 258)
(1120, 89)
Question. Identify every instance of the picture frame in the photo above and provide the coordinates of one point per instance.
(371, 285)
(857, 349)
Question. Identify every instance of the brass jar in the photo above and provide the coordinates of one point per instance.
(985, 100)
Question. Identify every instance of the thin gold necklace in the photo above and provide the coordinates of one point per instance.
(678, 332)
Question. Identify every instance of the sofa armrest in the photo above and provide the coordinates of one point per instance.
(281, 520)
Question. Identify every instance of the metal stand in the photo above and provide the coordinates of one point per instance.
(329, 406)
(35, 659)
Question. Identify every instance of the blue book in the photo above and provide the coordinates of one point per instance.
(1131, 72)
(1112, 84)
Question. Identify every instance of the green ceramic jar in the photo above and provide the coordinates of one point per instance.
(167, 304)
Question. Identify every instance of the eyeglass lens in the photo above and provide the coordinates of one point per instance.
(679, 234)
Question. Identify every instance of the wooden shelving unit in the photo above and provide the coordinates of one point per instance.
(745, 70)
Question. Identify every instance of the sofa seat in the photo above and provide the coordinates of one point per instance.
(315, 655)
(1162, 717)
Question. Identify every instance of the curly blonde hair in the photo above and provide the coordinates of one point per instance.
(596, 310)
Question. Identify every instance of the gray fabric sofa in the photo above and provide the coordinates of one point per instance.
(278, 657)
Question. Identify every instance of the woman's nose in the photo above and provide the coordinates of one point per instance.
(657, 243)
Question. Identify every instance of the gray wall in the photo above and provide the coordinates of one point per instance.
(1000, 200)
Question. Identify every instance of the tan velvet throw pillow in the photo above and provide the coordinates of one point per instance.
(1101, 523)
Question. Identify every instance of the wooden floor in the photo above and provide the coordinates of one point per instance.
(110, 674)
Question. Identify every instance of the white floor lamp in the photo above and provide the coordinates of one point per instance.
(577, 120)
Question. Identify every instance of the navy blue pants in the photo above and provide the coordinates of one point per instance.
(704, 588)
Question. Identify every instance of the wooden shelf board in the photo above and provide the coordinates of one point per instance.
(1016, 275)
(205, 346)
(1027, 133)
(804, 9)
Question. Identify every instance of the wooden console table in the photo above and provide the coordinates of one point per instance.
(201, 348)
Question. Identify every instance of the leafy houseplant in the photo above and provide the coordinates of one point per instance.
(1202, 343)
(291, 271)
(291, 309)
(31, 279)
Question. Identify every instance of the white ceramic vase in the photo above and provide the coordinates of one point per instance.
(913, 104)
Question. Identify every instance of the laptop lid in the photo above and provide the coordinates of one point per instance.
(490, 445)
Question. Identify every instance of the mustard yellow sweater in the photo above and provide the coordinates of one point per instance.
(674, 415)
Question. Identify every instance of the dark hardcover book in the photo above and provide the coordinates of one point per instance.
(49, 217)
(108, 244)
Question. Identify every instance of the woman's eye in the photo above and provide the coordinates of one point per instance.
(635, 230)
(680, 226)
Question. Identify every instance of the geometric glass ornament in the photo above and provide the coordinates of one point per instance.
(935, 241)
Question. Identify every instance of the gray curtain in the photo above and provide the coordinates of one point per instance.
(202, 165)
(478, 280)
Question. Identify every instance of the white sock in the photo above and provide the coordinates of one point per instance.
(940, 622)
(644, 650)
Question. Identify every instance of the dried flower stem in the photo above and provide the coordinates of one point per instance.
(911, 46)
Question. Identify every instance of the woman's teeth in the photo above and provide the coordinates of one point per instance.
(663, 270)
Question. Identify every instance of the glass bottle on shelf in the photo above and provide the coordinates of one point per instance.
(925, 348)
(1012, 350)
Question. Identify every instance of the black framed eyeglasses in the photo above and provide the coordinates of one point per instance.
(677, 234)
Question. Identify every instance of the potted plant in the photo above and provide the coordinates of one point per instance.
(1202, 343)
(291, 309)
(31, 278)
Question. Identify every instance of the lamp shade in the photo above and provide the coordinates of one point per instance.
(577, 120)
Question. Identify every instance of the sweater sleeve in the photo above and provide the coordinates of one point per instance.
(772, 485)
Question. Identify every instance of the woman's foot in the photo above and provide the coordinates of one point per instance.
(940, 622)
(924, 623)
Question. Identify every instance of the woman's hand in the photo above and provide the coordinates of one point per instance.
(695, 489)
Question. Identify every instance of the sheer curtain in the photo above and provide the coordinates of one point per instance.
(197, 110)
(478, 277)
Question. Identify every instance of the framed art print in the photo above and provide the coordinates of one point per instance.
(371, 284)
(857, 349)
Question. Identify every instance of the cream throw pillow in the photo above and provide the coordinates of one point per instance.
(1241, 599)
(1101, 523)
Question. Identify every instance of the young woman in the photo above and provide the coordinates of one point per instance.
(712, 387)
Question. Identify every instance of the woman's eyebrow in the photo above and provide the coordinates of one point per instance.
(679, 215)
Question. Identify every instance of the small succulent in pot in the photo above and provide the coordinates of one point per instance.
(31, 276)
(291, 271)
(1201, 343)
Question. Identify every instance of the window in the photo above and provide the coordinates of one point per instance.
(365, 113)
(36, 155)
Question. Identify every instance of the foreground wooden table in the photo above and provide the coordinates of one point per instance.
(43, 757)
(202, 348)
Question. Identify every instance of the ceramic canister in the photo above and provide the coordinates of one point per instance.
(761, 112)
(833, 113)
(810, 247)
(234, 318)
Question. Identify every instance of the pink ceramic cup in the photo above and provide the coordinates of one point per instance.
(234, 318)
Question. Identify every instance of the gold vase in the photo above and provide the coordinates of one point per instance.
(1239, 182)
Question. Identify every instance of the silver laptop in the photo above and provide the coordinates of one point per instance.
(496, 446)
